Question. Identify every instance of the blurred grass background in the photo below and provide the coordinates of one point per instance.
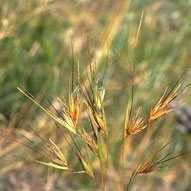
(35, 49)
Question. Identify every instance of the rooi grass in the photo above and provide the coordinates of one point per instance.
(88, 96)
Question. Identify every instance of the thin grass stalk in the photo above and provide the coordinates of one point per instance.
(122, 160)
(129, 110)
(122, 165)
(131, 180)
(101, 161)
(128, 115)
(143, 145)
(107, 158)
(102, 176)
(107, 141)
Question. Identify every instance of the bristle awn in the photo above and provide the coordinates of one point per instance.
(67, 141)
(24, 144)
(93, 89)
(43, 140)
(54, 108)
(27, 92)
(88, 79)
(92, 101)
(185, 153)
(176, 84)
(28, 139)
(84, 145)
(78, 73)
(89, 57)
(73, 148)
(87, 98)
(163, 147)
(75, 143)
(137, 37)
(44, 151)
(85, 166)
(92, 126)
(105, 68)
(95, 67)
(87, 156)
(53, 116)
(183, 89)
(92, 74)
(89, 83)
(162, 159)
(63, 105)
(54, 154)
(65, 136)
(79, 154)
(73, 62)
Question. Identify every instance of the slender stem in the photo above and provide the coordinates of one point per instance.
(139, 156)
(143, 145)
(129, 186)
(131, 180)
(102, 175)
(107, 158)
(100, 160)
(122, 164)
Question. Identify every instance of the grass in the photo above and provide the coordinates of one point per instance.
(96, 135)
(91, 94)
(35, 50)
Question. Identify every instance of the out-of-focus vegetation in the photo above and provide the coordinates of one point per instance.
(35, 52)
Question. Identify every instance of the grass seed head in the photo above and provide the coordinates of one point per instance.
(71, 111)
(90, 142)
(162, 107)
(88, 170)
(135, 125)
(63, 119)
(94, 103)
(156, 162)
(55, 155)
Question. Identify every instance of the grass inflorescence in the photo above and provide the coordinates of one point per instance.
(87, 96)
